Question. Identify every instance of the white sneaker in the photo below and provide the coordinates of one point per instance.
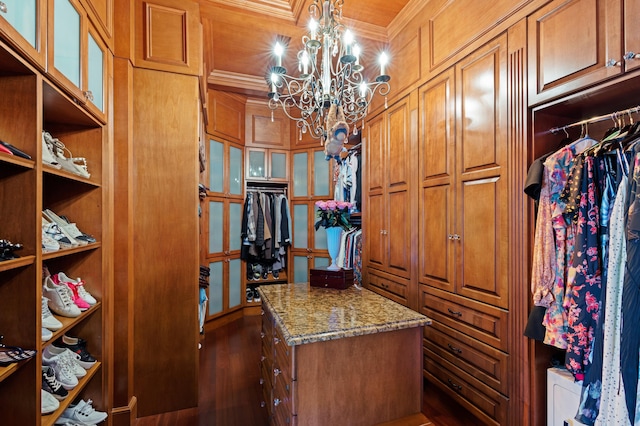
(53, 351)
(46, 334)
(48, 404)
(82, 413)
(60, 299)
(63, 368)
(82, 292)
(48, 320)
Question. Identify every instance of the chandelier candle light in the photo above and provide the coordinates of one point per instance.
(330, 94)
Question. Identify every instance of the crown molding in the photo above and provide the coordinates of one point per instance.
(404, 17)
(366, 30)
(243, 83)
(281, 9)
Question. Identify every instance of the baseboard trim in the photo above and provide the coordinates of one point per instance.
(125, 416)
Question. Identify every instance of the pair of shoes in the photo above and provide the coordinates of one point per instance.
(78, 346)
(60, 298)
(256, 271)
(52, 237)
(7, 250)
(13, 150)
(256, 295)
(249, 294)
(51, 384)
(13, 354)
(48, 320)
(65, 365)
(81, 296)
(82, 413)
(75, 165)
(48, 403)
(69, 228)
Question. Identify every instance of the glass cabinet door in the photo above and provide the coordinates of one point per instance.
(23, 16)
(216, 278)
(300, 226)
(235, 226)
(278, 165)
(300, 269)
(235, 171)
(257, 166)
(216, 166)
(235, 282)
(321, 180)
(300, 176)
(67, 40)
(95, 72)
(216, 226)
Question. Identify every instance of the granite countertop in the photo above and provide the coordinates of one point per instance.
(306, 314)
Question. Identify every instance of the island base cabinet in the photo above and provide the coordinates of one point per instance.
(351, 378)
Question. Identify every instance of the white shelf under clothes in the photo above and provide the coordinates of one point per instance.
(563, 398)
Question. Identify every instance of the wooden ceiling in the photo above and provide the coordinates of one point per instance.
(239, 34)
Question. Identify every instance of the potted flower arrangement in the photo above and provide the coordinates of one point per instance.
(334, 217)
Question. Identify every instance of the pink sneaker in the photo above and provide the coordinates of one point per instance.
(77, 299)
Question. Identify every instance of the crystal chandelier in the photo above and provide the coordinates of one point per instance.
(330, 87)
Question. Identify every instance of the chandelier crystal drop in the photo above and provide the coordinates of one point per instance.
(329, 74)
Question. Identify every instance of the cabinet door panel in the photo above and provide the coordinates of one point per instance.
(397, 167)
(320, 235)
(23, 16)
(278, 165)
(216, 226)
(399, 234)
(300, 269)
(631, 33)
(321, 179)
(437, 250)
(235, 171)
(300, 174)
(216, 279)
(235, 282)
(375, 148)
(67, 46)
(375, 231)
(257, 164)
(216, 166)
(300, 226)
(96, 64)
(235, 225)
(562, 59)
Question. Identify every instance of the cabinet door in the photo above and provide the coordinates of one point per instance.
(376, 231)
(66, 44)
(321, 174)
(216, 166)
(256, 164)
(301, 226)
(216, 227)
(481, 175)
(573, 44)
(436, 165)
(234, 284)
(216, 292)
(398, 228)
(631, 34)
(300, 174)
(236, 166)
(234, 227)
(95, 88)
(375, 148)
(278, 165)
(24, 23)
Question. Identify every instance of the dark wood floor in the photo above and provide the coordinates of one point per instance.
(230, 392)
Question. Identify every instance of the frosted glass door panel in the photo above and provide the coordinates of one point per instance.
(321, 262)
(235, 170)
(300, 225)
(278, 165)
(66, 40)
(22, 15)
(215, 287)
(320, 240)
(257, 164)
(300, 177)
(216, 166)
(235, 285)
(96, 73)
(320, 174)
(300, 269)
(216, 225)
(235, 226)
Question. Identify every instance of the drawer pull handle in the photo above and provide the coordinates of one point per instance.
(276, 372)
(454, 349)
(454, 386)
(456, 313)
(631, 55)
(261, 311)
(276, 340)
(263, 404)
(262, 358)
(613, 63)
(276, 402)
(261, 381)
(3, 7)
(262, 334)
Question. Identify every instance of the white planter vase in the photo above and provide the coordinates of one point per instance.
(334, 235)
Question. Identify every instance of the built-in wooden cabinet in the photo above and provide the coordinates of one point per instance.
(31, 103)
(389, 179)
(464, 230)
(226, 115)
(266, 128)
(562, 60)
(226, 163)
(23, 25)
(267, 165)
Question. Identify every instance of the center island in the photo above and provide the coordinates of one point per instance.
(340, 357)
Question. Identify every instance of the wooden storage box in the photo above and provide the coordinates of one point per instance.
(323, 277)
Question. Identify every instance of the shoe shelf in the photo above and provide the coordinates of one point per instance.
(50, 419)
(68, 175)
(282, 278)
(69, 323)
(66, 252)
(7, 265)
(7, 371)
(14, 160)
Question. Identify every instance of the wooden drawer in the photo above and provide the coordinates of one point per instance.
(390, 286)
(283, 360)
(282, 409)
(483, 322)
(487, 364)
(481, 400)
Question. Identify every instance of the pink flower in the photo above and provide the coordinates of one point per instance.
(343, 205)
(322, 205)
(331, 205)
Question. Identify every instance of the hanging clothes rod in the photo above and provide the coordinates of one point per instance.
(611, 116)
(266, 189)
(355, 147)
